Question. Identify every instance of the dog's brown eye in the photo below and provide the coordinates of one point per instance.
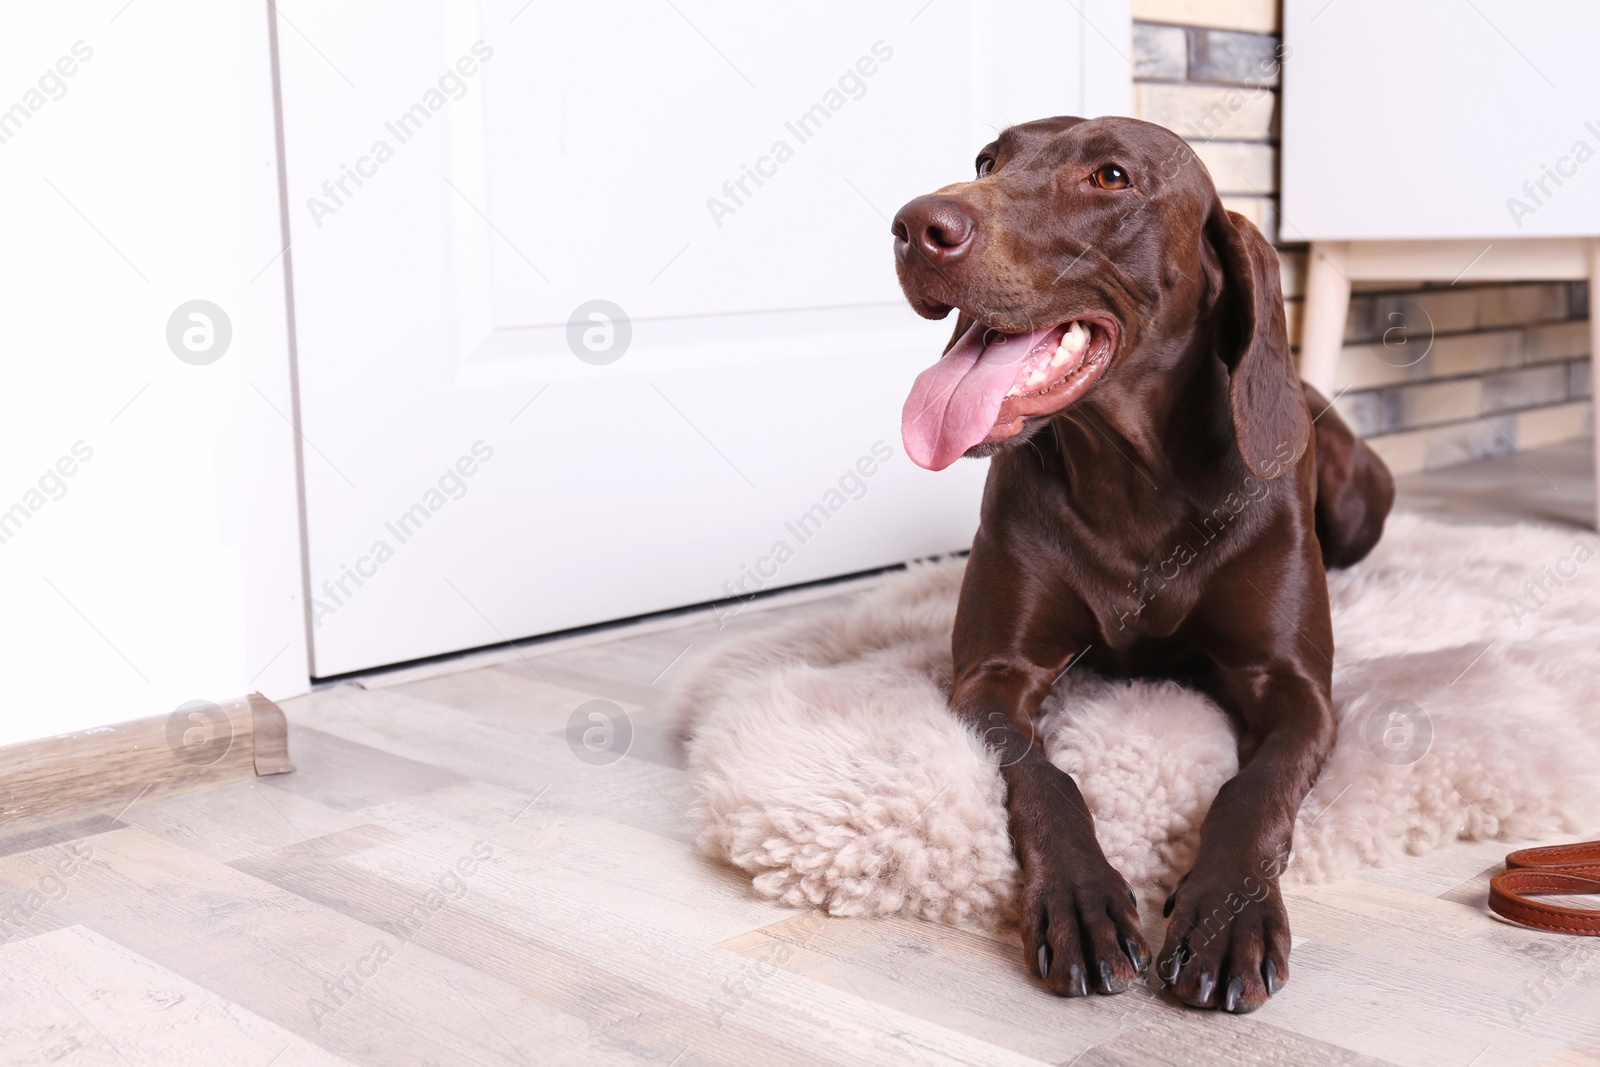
(985, 165)
(1111, 176)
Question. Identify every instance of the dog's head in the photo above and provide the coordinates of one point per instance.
(1088, 250)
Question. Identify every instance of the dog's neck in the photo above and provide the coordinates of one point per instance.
(1161, 426)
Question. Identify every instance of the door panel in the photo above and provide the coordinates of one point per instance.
(464, 177)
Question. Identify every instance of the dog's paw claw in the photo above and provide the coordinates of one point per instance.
(1225, 950)
(1074, 927)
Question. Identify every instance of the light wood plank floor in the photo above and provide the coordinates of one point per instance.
(445, 881)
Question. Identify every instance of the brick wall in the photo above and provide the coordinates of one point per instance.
(1218, 89)
(1438, 374)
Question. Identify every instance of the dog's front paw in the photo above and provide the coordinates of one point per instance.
(1080, 931)
(1228, 942)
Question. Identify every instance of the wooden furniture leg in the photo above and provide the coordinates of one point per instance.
(1594, 357)
(1322, 323)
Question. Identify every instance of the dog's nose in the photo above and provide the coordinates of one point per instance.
(938, 228)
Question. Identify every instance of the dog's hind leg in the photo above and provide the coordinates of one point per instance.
(1354, 489)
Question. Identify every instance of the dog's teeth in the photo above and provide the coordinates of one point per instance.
(1072, 342)
(1069, 350)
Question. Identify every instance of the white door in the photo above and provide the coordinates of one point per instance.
(149, 541)
(595, 305)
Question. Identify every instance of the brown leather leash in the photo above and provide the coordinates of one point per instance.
(1555, 869)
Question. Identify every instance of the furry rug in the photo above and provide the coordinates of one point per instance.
(824, 764)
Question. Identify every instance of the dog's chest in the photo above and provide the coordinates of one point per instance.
(1144, 588)
(1153, 599)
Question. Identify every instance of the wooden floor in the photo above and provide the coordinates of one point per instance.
(1552, 485)
(445, 881)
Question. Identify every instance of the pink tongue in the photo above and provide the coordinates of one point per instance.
(954, 403)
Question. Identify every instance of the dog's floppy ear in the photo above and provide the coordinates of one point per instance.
(1270, 420)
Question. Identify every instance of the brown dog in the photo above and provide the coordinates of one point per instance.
(1152, 509)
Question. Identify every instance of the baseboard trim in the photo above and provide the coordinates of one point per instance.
(105, 770)
(269, 736)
